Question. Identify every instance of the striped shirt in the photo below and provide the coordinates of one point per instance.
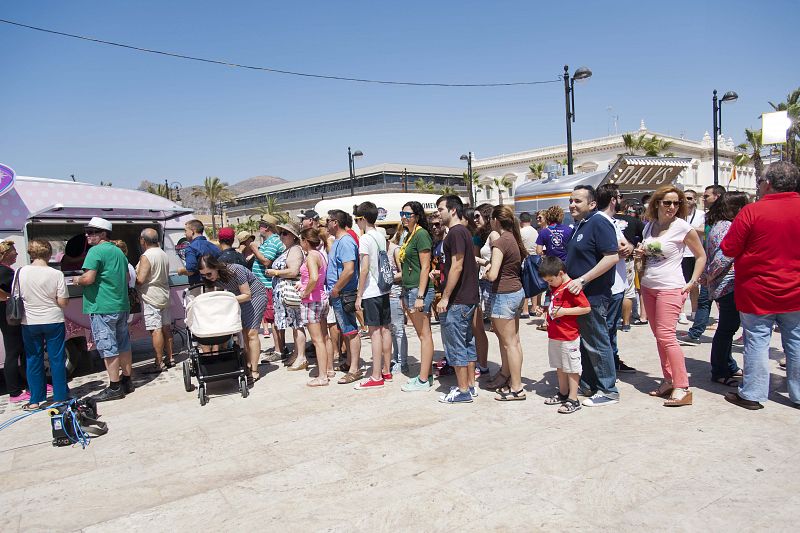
(270, 249)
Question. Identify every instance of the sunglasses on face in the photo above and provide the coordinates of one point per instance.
(477, 217)
(358, 218)
(670, 203)
(207, 275)
(436, 224)
(284, 233)
(93, 231)
(406, 214)
(690, 198)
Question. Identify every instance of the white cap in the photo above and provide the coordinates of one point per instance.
(99, 223)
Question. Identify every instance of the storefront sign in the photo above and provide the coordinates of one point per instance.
(7, 177)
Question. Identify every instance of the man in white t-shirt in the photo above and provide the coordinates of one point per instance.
(528, 234)
(373, 301)
(608, 197)
(152, 278)
(697, 219)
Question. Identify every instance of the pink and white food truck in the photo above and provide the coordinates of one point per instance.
(58, 210)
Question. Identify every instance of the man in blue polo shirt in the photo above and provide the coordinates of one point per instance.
(198, 247)
(592, 253)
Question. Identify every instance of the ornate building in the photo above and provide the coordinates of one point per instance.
(599, 154)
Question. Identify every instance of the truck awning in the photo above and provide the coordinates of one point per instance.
(84, 212)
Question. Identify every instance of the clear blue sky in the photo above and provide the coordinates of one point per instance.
(105, 113)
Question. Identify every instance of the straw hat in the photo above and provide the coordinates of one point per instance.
(291, 227)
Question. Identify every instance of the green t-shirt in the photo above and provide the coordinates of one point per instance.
(109, 292)
(420, 242)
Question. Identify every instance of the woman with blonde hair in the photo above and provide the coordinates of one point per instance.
(664, 290)
(44, 292)
(505, 301)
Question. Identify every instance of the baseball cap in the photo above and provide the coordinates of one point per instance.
(226, 234)
(308, 213)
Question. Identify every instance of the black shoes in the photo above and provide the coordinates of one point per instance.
(108, 394)
(735, 399)
(127, 385)
(622, 368)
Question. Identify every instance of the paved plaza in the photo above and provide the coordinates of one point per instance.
(290, 458)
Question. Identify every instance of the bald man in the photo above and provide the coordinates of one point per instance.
(152, 279)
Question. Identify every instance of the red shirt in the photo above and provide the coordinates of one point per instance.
(763, 242)
(564, 328)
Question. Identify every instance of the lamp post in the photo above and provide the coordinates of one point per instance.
(351, 160)
(468, 158)
(582, 73)
(175, 185)
(716, 105)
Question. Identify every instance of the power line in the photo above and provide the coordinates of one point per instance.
(274, 70)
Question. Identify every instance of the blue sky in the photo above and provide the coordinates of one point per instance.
(105, 113)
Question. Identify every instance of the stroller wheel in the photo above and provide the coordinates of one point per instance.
(202, 394)
(243, 388)
(187, 376)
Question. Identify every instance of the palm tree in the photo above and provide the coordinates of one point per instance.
(160, 189)
(424, 186)
(537, 169)
(447, 190)
(654, 146)
(501, 184)
(754, 146)
(471, 184)
(214, 191)
(792, 107)
(273, 209)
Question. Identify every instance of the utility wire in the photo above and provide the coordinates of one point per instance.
(274, 70)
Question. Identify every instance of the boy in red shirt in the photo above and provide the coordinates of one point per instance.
(562, 332)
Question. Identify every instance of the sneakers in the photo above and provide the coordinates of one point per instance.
(271, 357)
(455, 396)
(108, 394)
(127, 385)
(682, 319)
(739, 341)
(472, 391)
(396, 368)
(688, 340)
(368, 384)
(622, 368)
(414, 384)
(387, 377)
(24, 396)
(599, 400)
(626, 328)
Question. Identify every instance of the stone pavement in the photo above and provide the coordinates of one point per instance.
(291, 458)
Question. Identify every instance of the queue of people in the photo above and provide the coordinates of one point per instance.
(323, 281)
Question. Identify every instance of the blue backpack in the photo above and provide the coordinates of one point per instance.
(532, 282)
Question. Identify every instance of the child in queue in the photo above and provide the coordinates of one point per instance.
(562, 332)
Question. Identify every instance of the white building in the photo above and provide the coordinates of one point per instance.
(599, 154)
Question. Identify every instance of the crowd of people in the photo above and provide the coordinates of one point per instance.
(619, 263)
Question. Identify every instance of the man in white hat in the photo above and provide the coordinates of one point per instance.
(105, 300)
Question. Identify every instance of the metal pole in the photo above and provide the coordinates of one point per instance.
(569, 118)
(715, 106)
(469, 171)
(350, 167)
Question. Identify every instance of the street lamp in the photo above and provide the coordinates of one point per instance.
(729, 96)
(468, 158)
(350, 159)
(582, 73)
(175, 185)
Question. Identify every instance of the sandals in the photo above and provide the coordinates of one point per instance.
(542, 326)
(32, 407)
(499, 380)
(557, 399)
(728, 382)
(638, 322)
(569, 407)
(301, 366)
(349, 378)
(686, 399)
(255, 376)
(318, 382)
(507, 395)
(331, 374)
(663, 391)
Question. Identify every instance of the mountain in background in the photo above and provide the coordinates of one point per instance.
(199, 204)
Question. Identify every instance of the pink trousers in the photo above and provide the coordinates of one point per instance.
(663, 307)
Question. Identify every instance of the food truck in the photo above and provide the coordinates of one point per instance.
(58, 210)
(635, 176)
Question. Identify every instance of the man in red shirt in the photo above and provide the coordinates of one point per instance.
(763, 242)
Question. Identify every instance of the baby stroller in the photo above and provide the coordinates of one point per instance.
(213, 318)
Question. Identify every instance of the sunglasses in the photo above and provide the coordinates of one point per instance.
(93, 231)
(436, 224)
(284, 233)
(406, 214)
(358, 218)
(476, 217)
(690, 198)
(206, 275)
(670, 203)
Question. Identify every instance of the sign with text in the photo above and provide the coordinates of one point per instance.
(646, 173)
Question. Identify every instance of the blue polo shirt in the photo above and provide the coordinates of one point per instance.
(593, 237)
(197, 249)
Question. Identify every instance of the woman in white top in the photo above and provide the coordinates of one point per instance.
(664, 289)
(44, 294)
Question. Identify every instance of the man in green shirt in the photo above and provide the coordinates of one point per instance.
(105, 300)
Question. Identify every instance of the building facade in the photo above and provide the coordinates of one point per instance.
(297, 196)
(600, 154)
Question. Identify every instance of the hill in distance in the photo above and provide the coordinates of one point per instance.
(199, 204)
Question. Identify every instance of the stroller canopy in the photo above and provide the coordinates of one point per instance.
(213, 314)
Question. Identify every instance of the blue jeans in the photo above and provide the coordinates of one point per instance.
(597, 359)
(399, 338)
(457, 338)
(757, 335)
(36, 337)
(723, 364)
(701, 315)
(613, 318)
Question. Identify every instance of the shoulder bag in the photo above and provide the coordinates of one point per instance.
(15, 308)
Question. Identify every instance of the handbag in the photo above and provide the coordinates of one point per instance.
(135, 300)
(532, 282)
(15, 307)
(290, 296)
(349, 301)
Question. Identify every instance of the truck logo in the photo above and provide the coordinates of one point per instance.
(7, 176)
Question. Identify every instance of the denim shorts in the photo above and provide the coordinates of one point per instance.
(346, 321)
(110, 332)
(459, 343)
(410, 296)
(505, 304)
(485, 288)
